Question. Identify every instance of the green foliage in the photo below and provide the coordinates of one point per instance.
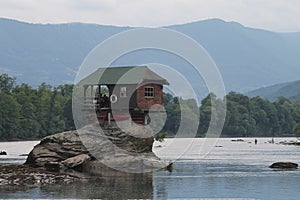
(28, 113)
(9, 116)
(6, 83)
(160, 136)
(297, 130)
(245, 117)
(254, 117)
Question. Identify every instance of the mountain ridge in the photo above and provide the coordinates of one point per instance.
(247, 58)
(290, 90)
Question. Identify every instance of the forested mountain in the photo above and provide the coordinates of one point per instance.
(290, 90)
(247, 58)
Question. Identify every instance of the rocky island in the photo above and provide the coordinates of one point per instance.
(69, 156)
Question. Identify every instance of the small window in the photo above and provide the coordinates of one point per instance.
(123, 92)
(149, 91)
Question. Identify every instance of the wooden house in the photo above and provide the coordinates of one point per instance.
(130, 92)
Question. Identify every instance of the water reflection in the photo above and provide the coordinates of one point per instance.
(131, 186)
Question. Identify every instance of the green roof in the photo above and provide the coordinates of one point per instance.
(124, 75)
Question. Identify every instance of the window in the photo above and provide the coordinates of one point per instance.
(123, 92)
(149, 91)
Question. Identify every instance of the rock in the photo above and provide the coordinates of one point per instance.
(284, 165)
(56, 148)
(170, 167)
(20, 175)
(238, 140)
(96, 149)
(76, 161)
(52, 166)
(297, 143)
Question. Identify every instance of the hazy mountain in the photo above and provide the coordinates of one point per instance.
(289, 90)
(247, 58)
(36, 53)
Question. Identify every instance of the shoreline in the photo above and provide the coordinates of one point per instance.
(38, 140)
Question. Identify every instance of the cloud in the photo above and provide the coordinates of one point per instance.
(92, 5)
(279, 15)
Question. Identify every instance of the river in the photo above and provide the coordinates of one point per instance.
(231, 169)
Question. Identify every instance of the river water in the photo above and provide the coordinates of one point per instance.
(205, 169)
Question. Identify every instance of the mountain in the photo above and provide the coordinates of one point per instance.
(290, 90)
(37, 53)
(247, 58)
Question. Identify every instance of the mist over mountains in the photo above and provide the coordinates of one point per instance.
(247, 58)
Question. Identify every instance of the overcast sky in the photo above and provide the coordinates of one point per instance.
(276, 15)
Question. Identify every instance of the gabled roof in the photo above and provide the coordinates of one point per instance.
(124, 75)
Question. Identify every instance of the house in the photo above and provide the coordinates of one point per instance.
(123, 92)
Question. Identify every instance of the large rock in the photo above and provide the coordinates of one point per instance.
(284, 165)
(56, 148)
(95, 151)
(76, 161)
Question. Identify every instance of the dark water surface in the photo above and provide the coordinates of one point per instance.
(231, 170)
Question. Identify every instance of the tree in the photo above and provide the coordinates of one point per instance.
(29, 126)
(297, 130)
(9, 117)
(6, 83)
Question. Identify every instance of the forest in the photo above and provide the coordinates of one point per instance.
(32, 113)
(245, 117)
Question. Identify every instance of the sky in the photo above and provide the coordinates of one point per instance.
(274, 15)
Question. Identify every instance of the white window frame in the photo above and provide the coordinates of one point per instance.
(123, 92)
(148, 92)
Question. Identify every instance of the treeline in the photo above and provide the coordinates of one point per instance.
(31, 113)
(245, 117)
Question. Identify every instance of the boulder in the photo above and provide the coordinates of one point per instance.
(56, 148)
(284, 165)
(297, 143)
(237, 140)
(76, 161)
(94, 149)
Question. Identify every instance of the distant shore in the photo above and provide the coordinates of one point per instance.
(168, 137)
